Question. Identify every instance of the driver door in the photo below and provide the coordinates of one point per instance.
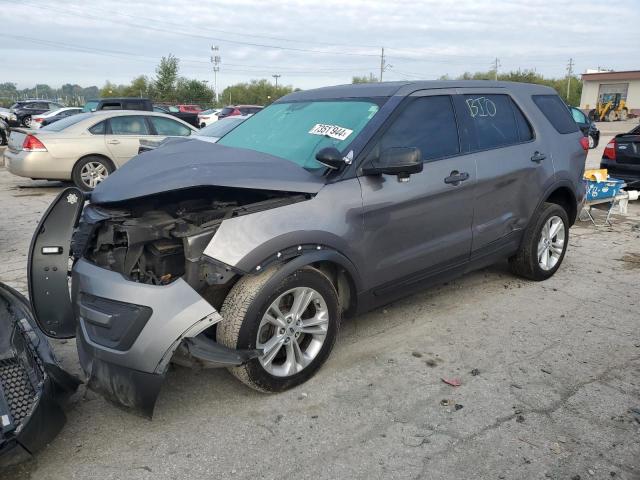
(414, 229)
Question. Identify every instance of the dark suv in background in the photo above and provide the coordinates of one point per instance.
(24, 110)
(248, 252)
(126, 103)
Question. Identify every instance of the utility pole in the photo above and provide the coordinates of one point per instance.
(496, 64)
(215, 61)
(383, 64)
(569, 73)
(276, 76)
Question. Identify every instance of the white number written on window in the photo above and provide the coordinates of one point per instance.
(481, 107)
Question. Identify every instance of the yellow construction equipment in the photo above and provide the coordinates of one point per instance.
(610, 107)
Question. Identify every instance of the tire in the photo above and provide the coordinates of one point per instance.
(82, 172)
(624, 114)
(592, 142)
(612, 116)
(243, 314)
(26, 121)
(527, 261)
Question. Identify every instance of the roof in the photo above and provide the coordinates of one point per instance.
(388, 89)
(605, 76)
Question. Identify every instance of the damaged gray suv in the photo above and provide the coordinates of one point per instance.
(246, 254)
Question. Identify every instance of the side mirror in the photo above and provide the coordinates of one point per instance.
(330, 157)
(400, 161)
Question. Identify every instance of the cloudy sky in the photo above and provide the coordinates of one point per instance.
(310, 43)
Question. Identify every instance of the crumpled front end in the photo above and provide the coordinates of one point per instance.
(32, 384)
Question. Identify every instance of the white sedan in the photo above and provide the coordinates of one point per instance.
(36, 120)
(207, 117)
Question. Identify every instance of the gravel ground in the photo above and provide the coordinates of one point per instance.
(549, 374)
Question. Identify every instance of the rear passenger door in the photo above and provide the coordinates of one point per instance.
(512, 167)
(416, 228)
(124, 134)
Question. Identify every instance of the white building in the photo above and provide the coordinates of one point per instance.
(627, 84)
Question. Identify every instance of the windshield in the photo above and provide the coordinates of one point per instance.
(66, 122)
(90, 106)
(221, 127)
(297, 131)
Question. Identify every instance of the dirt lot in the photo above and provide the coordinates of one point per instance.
(558, 370)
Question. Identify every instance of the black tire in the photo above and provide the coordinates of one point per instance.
(525, 262)
(596, 141)
(26, 121)
(243, 310)
(80, 164)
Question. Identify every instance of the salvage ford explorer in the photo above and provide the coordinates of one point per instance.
(247, 253)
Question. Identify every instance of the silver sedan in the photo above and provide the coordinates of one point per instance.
(87, 147)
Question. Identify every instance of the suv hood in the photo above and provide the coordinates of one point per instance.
(198, 164)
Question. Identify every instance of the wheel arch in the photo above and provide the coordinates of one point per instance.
(563, 195)
(337, 267)
(101, 155)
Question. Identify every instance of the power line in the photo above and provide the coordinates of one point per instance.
(495, 64)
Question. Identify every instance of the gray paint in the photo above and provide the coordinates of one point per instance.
(195, 164)
(178, 312)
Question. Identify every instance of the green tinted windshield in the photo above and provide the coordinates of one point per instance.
(296, 131)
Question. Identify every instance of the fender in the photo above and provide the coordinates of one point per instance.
(578, 199)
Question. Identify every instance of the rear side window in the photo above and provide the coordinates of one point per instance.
(111, 106)
(492, 121)
(227, 110)
(556, 112)
(99, 128)
(525, 132)
(132, 105)
(428, 123)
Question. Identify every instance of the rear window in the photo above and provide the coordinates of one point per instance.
(556, 112)
(66, 122)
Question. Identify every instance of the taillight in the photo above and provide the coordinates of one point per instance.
(610, 150)
(584, 142)
(38, 120)
(32, 144)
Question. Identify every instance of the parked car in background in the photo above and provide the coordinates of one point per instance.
(24, 111)
(247, 253)
(190, 117)
(87, 147)
(189, 108)
(51, 116)
(239, 110)
(4, 132)
(212, 134)
(621, 157)
(5, 114)
(587, 126)
(125, 103)
(208, 116)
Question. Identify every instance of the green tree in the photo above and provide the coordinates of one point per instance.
(364, 79)
(193, 91)
(166, 78)
(256, 92)
(139, 87)
(111, 90)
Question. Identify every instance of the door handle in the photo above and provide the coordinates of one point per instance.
(456, 177)
(538, 157)
(113, 142)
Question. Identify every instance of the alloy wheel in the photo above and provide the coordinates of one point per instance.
(92, 173)
(551, 243)
(592, 142)
(292, 331)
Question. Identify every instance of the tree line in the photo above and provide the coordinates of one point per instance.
(167, 86)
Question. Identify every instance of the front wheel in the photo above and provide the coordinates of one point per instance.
(294, 324)
(26, 121)
(544, 244)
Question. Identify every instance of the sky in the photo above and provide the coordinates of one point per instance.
(310, 43)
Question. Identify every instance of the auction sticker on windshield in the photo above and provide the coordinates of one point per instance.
(333, 131)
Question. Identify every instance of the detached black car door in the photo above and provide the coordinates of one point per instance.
(416, 228)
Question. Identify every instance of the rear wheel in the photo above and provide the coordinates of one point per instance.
(90, 171)
(592, 142)
(295, 325)
(544, 244)
(624, 114)
(612, 116)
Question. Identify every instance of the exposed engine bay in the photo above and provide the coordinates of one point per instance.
(159, 239)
